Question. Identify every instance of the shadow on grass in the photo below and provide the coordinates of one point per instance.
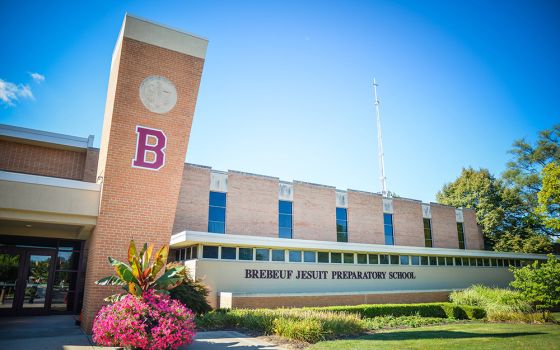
(417, 335)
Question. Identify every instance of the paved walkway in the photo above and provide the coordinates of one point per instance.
(60, 333)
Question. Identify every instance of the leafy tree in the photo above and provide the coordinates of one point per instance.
(549, 197)
(142, 274)
(532, 243)
(539, 283)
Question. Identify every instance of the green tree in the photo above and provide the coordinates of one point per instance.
(539, 283)
(500, 211)
(523, 173)
(549, 197)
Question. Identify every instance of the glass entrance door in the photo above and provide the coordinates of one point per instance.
(37, 279)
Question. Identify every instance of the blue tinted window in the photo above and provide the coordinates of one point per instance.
(285, 224)
(388, 219)
(404, 259)
(295, 256)
(285, 207)
(216, 227)
(341, 225)
(245, 253)
(309, 256)
(217, 199)
(285, 221)
(217, 214)
(278, 255)
(341, 213)
(415, 260)
(461, 235)
(285, 232)
(210, 252)
(228, 253)
(388, 229)
(262, 254)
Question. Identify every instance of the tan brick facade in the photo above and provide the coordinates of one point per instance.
(444, 227)
(328, 300)
(138, 203)
(252, 205)
(365, 218)
(473, 233)
(408, 223)
(314, 209)
(192, 207)
(66, 163)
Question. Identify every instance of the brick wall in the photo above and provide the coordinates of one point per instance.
(90, 166)
(314, 212)
(365, 218)
(408, 225)
(192, 207)
(444, 227)
(42, 160)
(138, 203)
(253, 302)
(473, 233)
(252, 205)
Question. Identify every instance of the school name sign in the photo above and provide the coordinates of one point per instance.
(323, 275)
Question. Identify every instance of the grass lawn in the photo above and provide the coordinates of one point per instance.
(477, 336)
(556, 315)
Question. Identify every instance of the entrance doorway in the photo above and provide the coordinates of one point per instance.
(39, 280)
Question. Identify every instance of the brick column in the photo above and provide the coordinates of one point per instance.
(150, 132)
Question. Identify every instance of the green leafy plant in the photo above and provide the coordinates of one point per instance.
(141, 273)
(492, 300)
(539, 283)
(193, 294)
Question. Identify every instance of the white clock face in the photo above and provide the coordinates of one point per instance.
(158, 94)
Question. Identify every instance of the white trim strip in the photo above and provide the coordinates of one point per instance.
(193, 237)
(45, 136)
(49, 181)
(304, 294)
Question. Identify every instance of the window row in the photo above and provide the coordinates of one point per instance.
(306, 256)
(217, 222)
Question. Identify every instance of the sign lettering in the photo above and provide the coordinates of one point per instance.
(322, 275)
(149, 142)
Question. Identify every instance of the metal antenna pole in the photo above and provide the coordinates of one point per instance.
(382, 176)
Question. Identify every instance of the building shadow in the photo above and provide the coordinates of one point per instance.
(435, 334)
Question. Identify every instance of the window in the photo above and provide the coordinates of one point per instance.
(449, 261)
(415, 260)
(285, 223)
(424, 260)
(336, 257)
(441, 261)
(309, 257)
(428, 232)
(362, 258)
(228, 253)
(217, 212)
(262, 255)
(348, 258)
(374, 259)
(245, 253)
(210, 252)
(394, 259)
(341, 225)
(294, 256)
(404, 259)
(458, 262)
(388, 229)
(433, 260)
(461, 235)
(384, 259)
(323, 257)
(278, 255)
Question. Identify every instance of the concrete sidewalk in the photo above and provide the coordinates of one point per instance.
(60, 333)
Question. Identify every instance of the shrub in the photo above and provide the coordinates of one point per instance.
(383, 322)
(153, 321)
(309, 330)
(193, 294)
(539, 283)
(520, 317)
(492, 300)
(440, 310)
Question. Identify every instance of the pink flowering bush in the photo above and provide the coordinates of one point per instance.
(152, 321)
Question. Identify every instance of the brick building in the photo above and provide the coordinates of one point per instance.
(255, 240)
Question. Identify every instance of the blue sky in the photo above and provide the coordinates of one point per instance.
(287, 85)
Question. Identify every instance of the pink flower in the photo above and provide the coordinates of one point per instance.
(153, 321)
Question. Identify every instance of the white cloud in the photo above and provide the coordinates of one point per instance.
(38, 78)
(11, 93)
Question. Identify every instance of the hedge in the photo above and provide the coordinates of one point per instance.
(441, 310)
